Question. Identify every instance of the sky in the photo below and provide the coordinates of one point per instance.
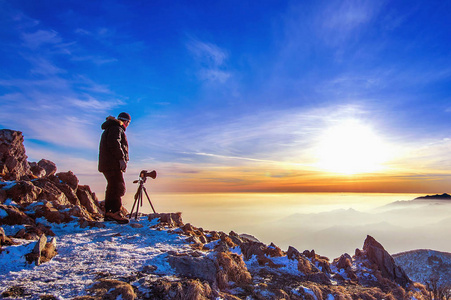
(236, 96)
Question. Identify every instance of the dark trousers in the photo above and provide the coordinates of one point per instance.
(115, 189)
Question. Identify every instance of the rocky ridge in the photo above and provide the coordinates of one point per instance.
(215, 265)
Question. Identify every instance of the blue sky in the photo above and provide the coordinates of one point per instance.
(235, 95)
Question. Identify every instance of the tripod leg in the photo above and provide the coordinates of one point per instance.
(139, 201)
(145, 191)
(136, 199)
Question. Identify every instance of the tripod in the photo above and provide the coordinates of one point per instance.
(139, 193)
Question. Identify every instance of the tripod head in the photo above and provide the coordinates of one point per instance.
(144, 174)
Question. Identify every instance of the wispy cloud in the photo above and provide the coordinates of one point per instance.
(212, 60)
(43, 99)
(40, 38)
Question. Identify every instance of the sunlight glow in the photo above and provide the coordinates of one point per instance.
(351, 148)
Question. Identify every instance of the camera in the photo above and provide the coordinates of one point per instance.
(145, 173)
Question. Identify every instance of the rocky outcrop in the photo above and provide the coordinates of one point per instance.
(384, 262)
(42, 252)
(13, 161)
(32, 191)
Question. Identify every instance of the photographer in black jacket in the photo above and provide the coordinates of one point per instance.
(113, 158)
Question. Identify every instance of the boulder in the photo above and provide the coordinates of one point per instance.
(32, 232)
(37, 170)
(23, 192)
(13, 160)
(168, 219)
(109, 289)
(42, 251)
(50, 192)
(4, 239)
(385, 263)
(181, 289)
(68, 178)
(88, 199)
(231, 268)
(344, 262)
(203, 267)
(11, 215)
(48, 166)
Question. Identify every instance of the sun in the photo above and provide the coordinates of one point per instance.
(350, 148)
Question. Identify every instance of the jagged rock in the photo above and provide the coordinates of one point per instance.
(68, 191)
(107, 289)
(36, 170)
(169, 219)
(23, 192)
(231, 268)
(51, 192)
(202, 267)
(376, 253)
(293, 253)
(319, 277)
(344, 262)
(69, 178)
(42, 252)
(32, 232)
(48, 166)
(13, 160)
(11, 215)
(48, 211)
(4, 239)
(88, 199)
(273, 251)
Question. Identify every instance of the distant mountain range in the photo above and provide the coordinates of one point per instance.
(443, 196)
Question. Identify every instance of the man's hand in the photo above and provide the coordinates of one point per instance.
(122, 165)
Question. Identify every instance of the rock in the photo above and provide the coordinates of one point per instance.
(203, 268)
(35, 255)
(376, 254)
(68, 178)
(319, 277)
(4, 239)
(11, 215)
(273, 251)
(344, 262)
(42, 251)
(293, 253)
(31, 232)
(88, 199)
(15, 292)
(169, 219)
(183, 289)
(231, 268)
(48, 166)
(51, 192)
(48, 211)
(108, 289)
(23, 192)
(37, 170)
(13, 160)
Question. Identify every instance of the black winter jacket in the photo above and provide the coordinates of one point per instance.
(113, 145)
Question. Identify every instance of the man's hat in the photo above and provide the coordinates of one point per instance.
(123, 116)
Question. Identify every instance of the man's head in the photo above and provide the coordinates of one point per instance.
(125, 118)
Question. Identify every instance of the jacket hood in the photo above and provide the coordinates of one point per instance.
(111, 121)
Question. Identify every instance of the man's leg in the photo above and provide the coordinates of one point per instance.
(114, 191)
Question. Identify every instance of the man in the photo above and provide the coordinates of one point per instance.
(113, 158)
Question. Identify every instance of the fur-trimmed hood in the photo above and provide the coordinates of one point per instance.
(112, 121)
